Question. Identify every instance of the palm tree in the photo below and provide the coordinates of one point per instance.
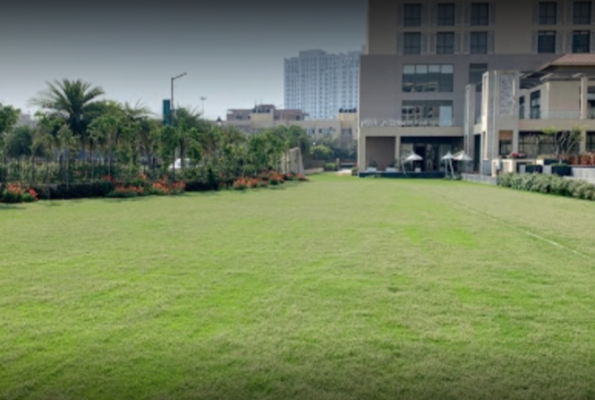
(73, 101)
(141, 125)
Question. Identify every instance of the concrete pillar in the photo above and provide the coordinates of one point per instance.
(515, 141)
(398, 147)
(583, 143)
(584, 99)
(470, 93)
(361, 152)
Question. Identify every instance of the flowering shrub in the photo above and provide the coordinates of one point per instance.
(14, 193)
(249, 183)
(240, 184)
(30, 196)
(127, 191)
(275, 178)
(163, 188)
(289, 176)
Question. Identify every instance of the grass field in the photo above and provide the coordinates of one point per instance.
(341, 288)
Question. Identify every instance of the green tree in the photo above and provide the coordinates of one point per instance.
(321, 152)
(565, 141)
(19, 141)
(105, 132)
(73, 101)
(67, 143)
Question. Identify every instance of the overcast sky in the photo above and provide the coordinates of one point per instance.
(232, 50)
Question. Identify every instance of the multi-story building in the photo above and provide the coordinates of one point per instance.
(421, 55)
(517, 108)
(343, 126)
(321, 84)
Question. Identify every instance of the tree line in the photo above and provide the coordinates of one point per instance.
(80, 136)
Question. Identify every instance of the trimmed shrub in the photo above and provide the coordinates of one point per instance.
(548, 184)
(330, 167)
(12, 194)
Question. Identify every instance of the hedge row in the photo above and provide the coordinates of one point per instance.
(548, 184)
(109, 188)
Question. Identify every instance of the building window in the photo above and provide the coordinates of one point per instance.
(505, 147)
(478, 43)
(412, 43)
(546, 42)
(590, 141)
(522, 107)
(476, 72)
(446, 14)
(445, 43)
(412, 14)
(427, 113)
(581, 13)
(535, 104)
(548, 13)
(581, 42)
(480, 14)
(428, 78)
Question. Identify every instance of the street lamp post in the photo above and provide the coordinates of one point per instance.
(202, 99)
(172, 118)
(172, 92)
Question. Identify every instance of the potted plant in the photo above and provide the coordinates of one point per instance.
(373, 167)
(355, 170)
(562, 169)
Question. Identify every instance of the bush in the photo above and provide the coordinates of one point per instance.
(330, 167)
(197, 186)
(12, 194)
(127, 191)
(240, 184)
(164, 188)
(548, 184)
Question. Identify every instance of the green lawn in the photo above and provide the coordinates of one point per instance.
(341, 288)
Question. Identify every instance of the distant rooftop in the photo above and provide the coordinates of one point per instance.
(570, 60)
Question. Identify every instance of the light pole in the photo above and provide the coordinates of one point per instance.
(172, 118)
(203, 105)
(172, 95)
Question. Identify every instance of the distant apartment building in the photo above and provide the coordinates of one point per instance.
(26, 120)
(421, 55)
(343, 126)
(321, 84)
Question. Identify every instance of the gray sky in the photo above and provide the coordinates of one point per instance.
(232, 50)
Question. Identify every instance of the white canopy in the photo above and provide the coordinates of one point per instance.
(462, 156)
(448, 156)
(413, 157)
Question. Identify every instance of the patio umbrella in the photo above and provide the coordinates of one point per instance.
(413, 157)
(448, 158)
(462, 156)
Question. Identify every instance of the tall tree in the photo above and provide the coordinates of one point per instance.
(74, 101)
(8, 118)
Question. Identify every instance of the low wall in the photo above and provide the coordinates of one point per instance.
(314, 171)
(584, 173)
(487, 180)
(401, 175)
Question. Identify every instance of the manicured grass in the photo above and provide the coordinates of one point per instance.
(341, 288)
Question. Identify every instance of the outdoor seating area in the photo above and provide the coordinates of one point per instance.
(451, 165)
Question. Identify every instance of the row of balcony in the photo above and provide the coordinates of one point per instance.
(550, 114)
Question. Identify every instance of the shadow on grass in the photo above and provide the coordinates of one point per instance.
(10, 207)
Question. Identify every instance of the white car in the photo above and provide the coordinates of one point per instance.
(178, 164)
